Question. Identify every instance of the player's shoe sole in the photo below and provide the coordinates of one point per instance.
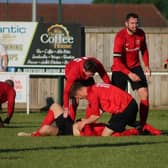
(23, 134)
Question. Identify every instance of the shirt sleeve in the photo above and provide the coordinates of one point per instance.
(117, 54)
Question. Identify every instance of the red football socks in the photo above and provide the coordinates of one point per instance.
(144, 108)
(49, 118)
(37, 133)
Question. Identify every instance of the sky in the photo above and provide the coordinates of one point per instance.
(49, 1)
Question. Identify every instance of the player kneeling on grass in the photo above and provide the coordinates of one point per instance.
(7, 95)
(65, 126)
(111, 99)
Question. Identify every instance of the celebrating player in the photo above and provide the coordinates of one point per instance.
(111, 99)
(126, 62)
(81, 69)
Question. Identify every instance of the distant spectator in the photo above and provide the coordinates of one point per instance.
(3, 59)
(165, 63)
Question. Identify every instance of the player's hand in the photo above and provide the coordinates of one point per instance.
(81, 124)
(65, 114)
(147, 71)
(134, 77)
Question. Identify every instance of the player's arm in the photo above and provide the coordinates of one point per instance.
(92, 113)
(11, 103)
(91, 119)
(69, 82)
(66, 97)
(145, 57)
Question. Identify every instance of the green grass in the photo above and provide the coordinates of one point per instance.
(81, 152)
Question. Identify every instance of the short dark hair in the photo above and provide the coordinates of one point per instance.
(76, 85)
(131, 15)
(90, 66)
(10, 82)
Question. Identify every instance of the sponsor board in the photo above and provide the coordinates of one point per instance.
(41, 47)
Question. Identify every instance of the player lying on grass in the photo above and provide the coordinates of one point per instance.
(66, 126)
(111, 99)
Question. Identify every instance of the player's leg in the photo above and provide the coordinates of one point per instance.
(120, 80)
(144, 105)
(49, 130)
(116, 123)
(142, 90)
(129, 117)
(144, 109)
(54, 112)
(130, 114)
(46, 130)
(107, 132)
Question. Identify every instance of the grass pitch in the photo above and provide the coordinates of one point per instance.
(81, 152)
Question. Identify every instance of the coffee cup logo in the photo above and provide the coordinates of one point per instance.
(58, 37)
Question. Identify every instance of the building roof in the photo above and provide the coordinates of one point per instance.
(109, 15)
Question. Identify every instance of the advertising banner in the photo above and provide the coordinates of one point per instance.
(21, 85)
(38, 48)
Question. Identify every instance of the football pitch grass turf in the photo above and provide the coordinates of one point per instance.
(81, 152)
